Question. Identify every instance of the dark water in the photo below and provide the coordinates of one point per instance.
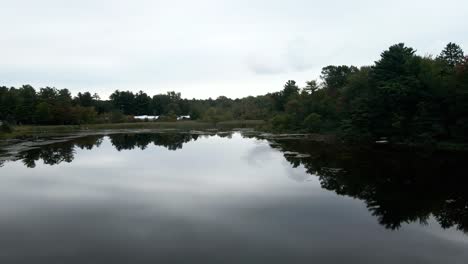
(230, 198)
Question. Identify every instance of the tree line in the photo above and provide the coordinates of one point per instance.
(401, 97)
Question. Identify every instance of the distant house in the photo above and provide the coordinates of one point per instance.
(146, 117)
(184, 117)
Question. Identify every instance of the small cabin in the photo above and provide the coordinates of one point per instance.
(146, 117)
(184, 117)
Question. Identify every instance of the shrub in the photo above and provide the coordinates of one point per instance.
(117, 117)
(313, 123)
(5, 128)
(281, 122)
(170, 117)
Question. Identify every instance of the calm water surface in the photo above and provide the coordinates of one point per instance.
(229, 198)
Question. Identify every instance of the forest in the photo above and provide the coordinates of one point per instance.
(402, 97)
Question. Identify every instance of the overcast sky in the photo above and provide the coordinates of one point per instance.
(208, 48)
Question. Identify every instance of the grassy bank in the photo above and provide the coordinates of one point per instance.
(19, 131)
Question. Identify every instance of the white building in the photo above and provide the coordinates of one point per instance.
(146, 117)
(183, 117)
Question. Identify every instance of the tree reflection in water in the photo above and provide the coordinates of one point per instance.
(171, 141)
(59, 152)
(397, 186)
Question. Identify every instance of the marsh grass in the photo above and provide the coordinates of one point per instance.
(20, 131)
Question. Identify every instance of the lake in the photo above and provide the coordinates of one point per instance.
(230, 197)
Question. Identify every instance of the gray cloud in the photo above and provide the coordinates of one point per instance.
(296, 55)
(209, 48)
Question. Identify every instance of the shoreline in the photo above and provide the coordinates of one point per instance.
(31, 130)
(27, 131)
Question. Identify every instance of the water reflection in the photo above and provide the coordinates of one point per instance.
(171, 141)
(57, 153)
(222, 198)
(397, 186)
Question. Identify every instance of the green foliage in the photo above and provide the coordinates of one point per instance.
(48, 106)
(124, 102)
(452, 55)
(5, 128)
(335, 77)
(281, 98)
(281, 122)
(311, 87)
(403, 97)
(215, 115)
(85, 99)
(169, 117)
(85, 115)
(117, 116)
(313, 123)
(43, 113)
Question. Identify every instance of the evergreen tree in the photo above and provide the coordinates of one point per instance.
(452, 55)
